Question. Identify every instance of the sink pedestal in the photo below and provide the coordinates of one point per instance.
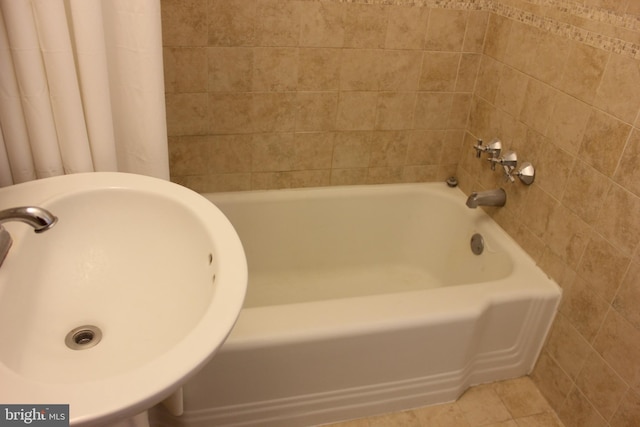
(175, 403)
(140, 420)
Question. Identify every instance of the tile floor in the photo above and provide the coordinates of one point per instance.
(511, 403)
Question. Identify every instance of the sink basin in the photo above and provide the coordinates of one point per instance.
(116, 306)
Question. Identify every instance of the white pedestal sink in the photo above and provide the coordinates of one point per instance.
(154, 268)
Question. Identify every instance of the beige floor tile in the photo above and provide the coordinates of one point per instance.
(508, 423)
(511, 403)
(446, 415)
(481, 405)
(362, 422)
(546, 419)
(522, 397)
(395, 419)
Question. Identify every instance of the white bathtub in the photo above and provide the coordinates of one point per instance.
(364, 300)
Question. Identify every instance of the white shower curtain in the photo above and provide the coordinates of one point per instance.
(81, 88)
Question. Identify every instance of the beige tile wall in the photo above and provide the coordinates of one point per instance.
(286, 93)
(560, 84)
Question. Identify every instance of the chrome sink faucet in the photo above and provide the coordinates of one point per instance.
(497, 197)
(40, 219)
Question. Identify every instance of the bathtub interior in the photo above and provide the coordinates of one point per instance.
(337, 243)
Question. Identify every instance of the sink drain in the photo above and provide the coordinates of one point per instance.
(83, 337)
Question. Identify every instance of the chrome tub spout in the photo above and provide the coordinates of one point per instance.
(496, 197)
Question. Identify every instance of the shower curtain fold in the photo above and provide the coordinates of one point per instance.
(81, 88)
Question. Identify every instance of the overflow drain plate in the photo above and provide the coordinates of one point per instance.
(83, 337)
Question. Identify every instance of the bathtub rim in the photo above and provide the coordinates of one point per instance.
(271, 323)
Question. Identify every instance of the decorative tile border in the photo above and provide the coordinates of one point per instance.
(601, 41)
(618, 19)
(611, 44)
(440, 4)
